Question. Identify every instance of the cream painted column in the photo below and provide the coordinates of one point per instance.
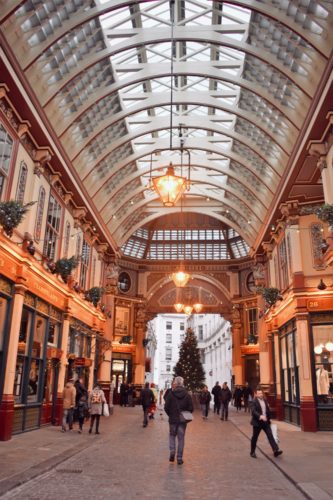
(237, 367)
(105, 369)
(7, 402)
(264, 357)
(64, 360)
(308, 405)
(14, 333)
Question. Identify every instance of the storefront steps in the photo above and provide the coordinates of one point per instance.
(126, 461)
(306, 455)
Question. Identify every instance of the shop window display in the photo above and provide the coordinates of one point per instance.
(323, 355)
(290, 372)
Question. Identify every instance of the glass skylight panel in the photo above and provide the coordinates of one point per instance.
(116, 18)
(240, 12)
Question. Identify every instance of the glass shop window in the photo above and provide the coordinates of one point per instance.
(323, 356)
(53, 333)
(29, 363)
(290, 367)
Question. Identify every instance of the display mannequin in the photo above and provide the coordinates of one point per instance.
(323, 383)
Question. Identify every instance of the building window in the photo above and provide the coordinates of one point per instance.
(253, 326)
(168, 338)
(52, 228)
(200, 332)
(182, 326)
(169, 325)
(6, 150)
(182, 338)
(168, 368)
(39, 215)
(67, 239)
(283, 265)
(22, 181)
(85, 258)
(168, 353)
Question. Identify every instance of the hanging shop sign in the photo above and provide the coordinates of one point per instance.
(82, 362)
(53, 352)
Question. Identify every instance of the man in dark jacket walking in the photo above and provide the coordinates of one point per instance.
(247, 397)
(178, 400)
(261, 421)
(216, 391)
(225, 400)
(146, 399)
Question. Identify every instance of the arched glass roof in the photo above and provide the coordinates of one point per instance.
(245, 74)
(190, 242)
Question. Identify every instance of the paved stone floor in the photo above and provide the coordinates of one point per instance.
(128, 462)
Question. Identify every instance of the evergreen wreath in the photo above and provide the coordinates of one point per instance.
(94, 294)
(64, 267)
(323, 212)
(12, 213)
(270, 294)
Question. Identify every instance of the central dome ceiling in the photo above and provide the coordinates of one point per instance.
(244, 78)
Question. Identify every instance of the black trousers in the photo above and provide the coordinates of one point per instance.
(92, 420)
(225, 406)
(217, 406)
(263, 426)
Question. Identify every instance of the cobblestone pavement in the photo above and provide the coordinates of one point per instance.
(127, 461)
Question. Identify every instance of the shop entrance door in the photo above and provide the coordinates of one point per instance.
(121, 374)
(252, 375)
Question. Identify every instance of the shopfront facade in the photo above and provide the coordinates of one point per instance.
(36, 373)
(321, 338)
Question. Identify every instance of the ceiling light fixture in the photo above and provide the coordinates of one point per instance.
(321, 285)
(170, 186)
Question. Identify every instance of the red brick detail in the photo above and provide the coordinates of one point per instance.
(308, 416)
(279, 408)
(58, 410)
(6, 418)
(46, 416)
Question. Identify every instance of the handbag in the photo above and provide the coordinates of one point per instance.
(274, 429)
(106, 410)
(184, 416)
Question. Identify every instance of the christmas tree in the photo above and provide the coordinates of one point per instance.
(189, 364)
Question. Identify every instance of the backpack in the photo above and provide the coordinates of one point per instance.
(96, 398)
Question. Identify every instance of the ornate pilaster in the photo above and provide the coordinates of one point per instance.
(237, 366)
(63, 367)
(140, 325)
(7, 403)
